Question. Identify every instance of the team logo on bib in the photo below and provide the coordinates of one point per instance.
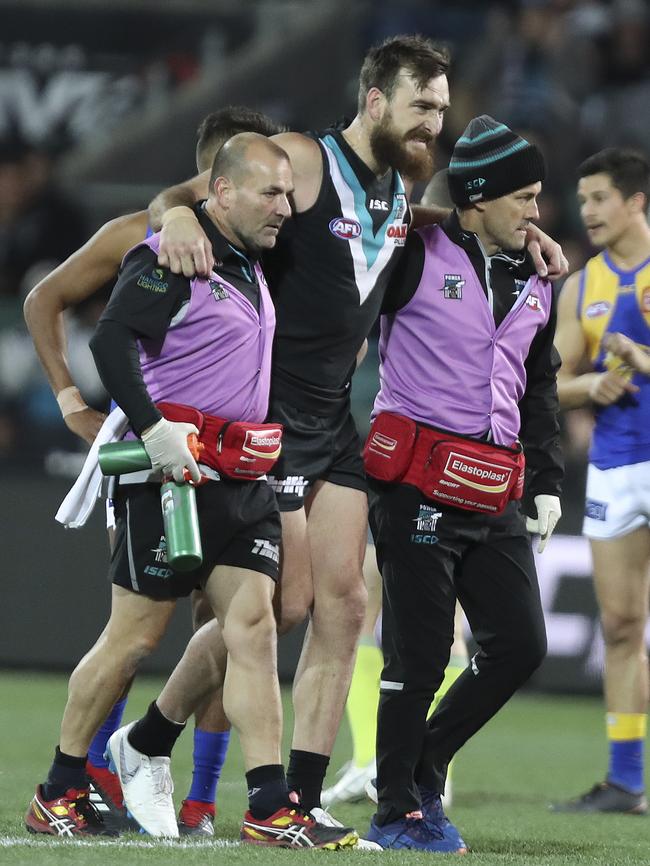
(219, 291)
(453, 287)
(425, 524)
(344, 228)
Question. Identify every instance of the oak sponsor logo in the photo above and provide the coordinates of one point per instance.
(397, 231)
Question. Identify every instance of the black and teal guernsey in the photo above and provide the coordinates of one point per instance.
(328, 275)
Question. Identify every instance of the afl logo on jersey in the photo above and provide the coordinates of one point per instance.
(598, 308)
(345, 229)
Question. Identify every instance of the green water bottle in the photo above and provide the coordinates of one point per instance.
(181, 522)
(119, 458)
(178, 500)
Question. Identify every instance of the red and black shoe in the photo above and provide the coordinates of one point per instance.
(106, 797)
(73, 814)
(293, 828)
(196, 818)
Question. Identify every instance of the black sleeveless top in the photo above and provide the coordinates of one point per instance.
(329, 271)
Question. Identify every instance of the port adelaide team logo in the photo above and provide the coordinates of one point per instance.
(425, 525)
(453, 287)
(218, 290)
(344, 228)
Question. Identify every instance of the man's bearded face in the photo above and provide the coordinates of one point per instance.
(411, 152)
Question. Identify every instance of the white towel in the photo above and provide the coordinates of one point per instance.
(77, 506)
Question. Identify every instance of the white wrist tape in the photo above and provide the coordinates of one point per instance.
(70, 400)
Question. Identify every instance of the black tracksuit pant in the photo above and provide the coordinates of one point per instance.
(429, 555)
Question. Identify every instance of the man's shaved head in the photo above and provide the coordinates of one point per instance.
(234, 158)
(250, 191)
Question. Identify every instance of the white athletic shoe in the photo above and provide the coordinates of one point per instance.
(322, 816)
(351, 785)
(371, 790)
(146, 785)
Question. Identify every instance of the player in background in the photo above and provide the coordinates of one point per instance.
(83, 274)
(604, 326)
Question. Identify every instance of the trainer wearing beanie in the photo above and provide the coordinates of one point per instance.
(489, 161)
(467, 391)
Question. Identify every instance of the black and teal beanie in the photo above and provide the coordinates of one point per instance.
(490, 160)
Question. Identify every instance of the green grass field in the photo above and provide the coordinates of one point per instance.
(537, 749)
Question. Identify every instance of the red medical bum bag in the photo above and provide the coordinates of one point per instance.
(237, 449)
(448, 468)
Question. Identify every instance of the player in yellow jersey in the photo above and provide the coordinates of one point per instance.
(604, 325)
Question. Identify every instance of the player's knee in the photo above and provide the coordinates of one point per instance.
(293, 611)
(535, 649)
(124, 653)
(621, 630)
(251, 630)
(137, 650)
(343, 588)
(339, 615)
(527, 650)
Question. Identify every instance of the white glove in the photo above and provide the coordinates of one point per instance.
(166, 445)
(549, 512)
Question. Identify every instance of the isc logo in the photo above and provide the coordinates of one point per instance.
(377, 204)
(345, 229)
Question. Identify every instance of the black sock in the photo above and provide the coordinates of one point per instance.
(153, 734)
(305, 776)
(267, 790)
(66, 771)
